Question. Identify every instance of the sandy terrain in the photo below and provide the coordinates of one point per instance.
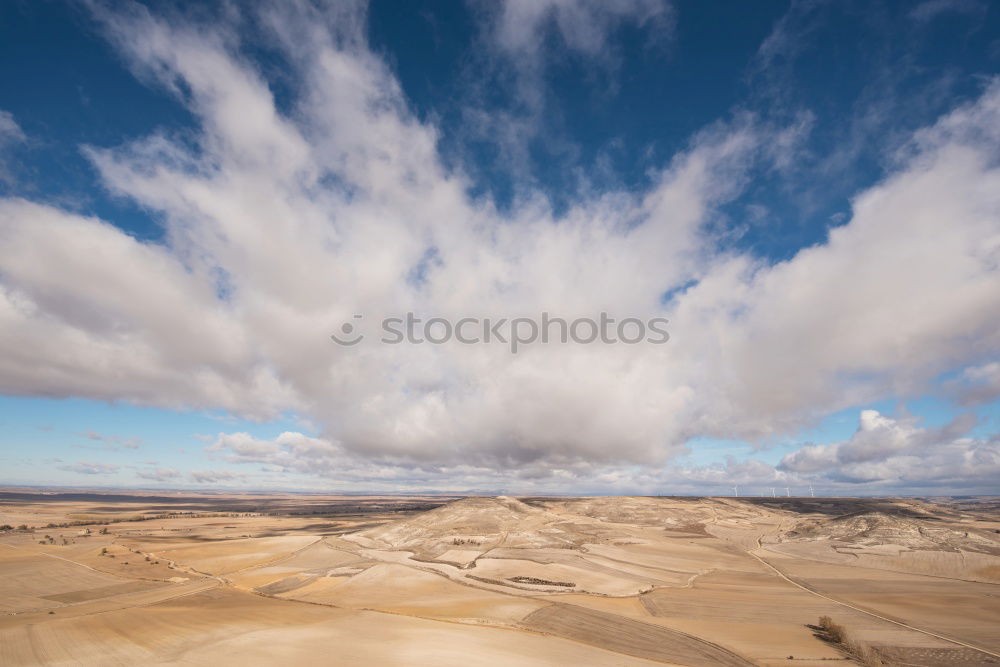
(243, 579)
(628, 636)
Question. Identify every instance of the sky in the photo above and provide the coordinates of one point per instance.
(197, 200)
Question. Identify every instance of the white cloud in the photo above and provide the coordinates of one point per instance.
(11, 134)
(88, 468)
(283, 225)
(977, 384)
(583, 26)
(521, 44)
(897, 453)
(928, 10)
(215, 476)
(885, 455)
(294, 444)
(789, 35)
(113, 442)
(159, 474)
(10, 131)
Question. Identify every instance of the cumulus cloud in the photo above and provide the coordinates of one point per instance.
(88, 468)
(296, 445)
(885, 455)
(294, 452)
(897, 453)
(976, 385)
(284, 223)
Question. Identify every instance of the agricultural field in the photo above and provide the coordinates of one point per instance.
(199, 579)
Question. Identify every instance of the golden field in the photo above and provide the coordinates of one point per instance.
(199, 579)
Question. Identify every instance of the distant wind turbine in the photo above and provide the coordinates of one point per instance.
(736, 491)
(787, 493)
(812, 494)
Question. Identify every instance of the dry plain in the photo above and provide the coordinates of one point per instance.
(188, 578)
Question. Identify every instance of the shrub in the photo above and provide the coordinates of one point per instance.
(834, 631)
(863, 652)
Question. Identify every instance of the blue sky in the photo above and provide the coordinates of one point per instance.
(194, 196)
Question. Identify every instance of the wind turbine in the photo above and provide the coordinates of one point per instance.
(772, 493)
(787, 493)
(736, 491)
(812, 494)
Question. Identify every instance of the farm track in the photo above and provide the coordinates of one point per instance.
(866, 611)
